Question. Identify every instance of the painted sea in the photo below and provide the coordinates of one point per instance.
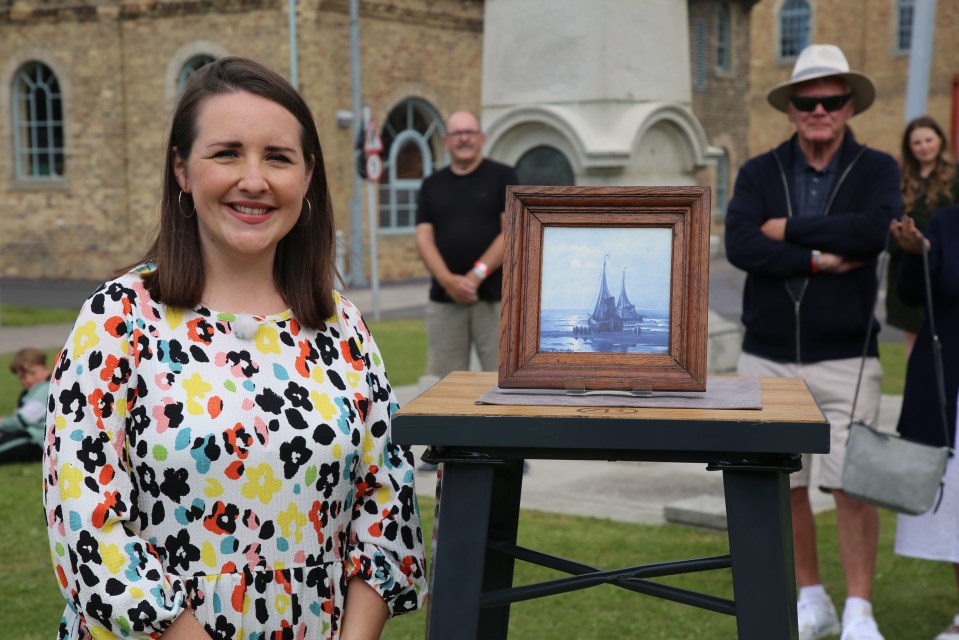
(556, 333)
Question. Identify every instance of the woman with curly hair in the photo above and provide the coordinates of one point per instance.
(929, 182)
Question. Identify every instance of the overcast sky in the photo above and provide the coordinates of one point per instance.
(573, 263)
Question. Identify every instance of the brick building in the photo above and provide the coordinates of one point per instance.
(719, 38)
(92, 84)
(875, 36)
(87, 88)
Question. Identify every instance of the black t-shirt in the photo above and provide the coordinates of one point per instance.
(465, 214)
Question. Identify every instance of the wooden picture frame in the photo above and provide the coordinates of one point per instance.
(653, 230)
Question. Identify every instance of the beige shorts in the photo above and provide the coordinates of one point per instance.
(453, 329)
(832, 384)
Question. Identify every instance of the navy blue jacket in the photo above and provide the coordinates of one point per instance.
(920, 418)
(829, 319)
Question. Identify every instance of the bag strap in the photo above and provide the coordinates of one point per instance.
(936, 344)
(880, 271)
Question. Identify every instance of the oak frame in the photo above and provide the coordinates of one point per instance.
(529, 210)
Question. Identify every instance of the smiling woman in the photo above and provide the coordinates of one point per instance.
(244, 140)
(218, 456)
(248, 179)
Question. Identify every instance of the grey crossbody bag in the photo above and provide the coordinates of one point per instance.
(888, 471)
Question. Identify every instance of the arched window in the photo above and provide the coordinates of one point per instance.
(794, 21)
(545, 165)
(37, 123)
(191, 66)
(723, 38)
(412, 142)
(699, 60)
(905, 13)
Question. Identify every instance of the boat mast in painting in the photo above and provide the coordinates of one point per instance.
(605, 316)
(626, 309)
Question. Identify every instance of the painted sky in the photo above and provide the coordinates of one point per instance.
(573, 263)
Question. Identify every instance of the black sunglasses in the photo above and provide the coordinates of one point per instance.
(829, 103)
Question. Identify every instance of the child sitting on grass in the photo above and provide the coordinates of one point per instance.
(21, 434)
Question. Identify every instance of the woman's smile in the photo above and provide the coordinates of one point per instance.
(250, 214)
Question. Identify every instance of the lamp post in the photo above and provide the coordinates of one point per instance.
(356, 276)
(920, 58)
(294, 52)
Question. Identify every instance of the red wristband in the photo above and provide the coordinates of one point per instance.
(815, 265)
(482, 267)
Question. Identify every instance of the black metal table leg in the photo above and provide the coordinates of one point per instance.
(503, 525)
(759, 521)
(456, 574)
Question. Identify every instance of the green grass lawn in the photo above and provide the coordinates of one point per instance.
(402, 344)
(892, 355)
(913, 599)
(14, 316)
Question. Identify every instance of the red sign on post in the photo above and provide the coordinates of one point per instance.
(372, 147)
(373, 143)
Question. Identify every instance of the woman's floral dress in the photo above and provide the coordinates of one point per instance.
(243, 479)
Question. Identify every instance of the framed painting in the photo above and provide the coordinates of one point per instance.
(605, 288)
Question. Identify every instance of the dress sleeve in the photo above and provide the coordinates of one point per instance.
(912, 283)
(110, 576)
(386, 540)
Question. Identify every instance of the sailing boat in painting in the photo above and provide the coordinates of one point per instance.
(605, 317)
(609, 315)
(626, 309)
(579, 313)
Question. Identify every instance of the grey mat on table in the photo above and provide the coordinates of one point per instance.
(720, 393)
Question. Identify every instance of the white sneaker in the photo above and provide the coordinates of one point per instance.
(817, 619)
(861, 628)
(952, 632)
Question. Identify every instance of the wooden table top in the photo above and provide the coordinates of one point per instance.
(783, 400)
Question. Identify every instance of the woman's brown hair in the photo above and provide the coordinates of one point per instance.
(304, 266)
(942, 176)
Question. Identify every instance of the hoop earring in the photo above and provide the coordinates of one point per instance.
(309, 215)
(179, 206)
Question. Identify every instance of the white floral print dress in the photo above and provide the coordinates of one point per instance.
(242, 479)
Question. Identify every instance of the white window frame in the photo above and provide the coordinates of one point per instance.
(389, 208)
(395, 185)
(795, 11)
(699, 58)
(27, 84)
(724, 38)
(904, 31)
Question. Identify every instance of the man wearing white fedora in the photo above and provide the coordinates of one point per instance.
(806, 222)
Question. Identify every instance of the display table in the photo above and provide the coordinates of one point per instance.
(477, 513)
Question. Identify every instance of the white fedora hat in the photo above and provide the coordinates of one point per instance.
(824, 61)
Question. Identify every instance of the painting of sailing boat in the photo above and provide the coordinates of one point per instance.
(582, 267)
(605, 288)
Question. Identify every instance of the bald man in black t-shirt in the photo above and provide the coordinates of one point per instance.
(459, 235)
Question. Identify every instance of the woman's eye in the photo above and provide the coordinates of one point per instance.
(225, 153)
(277, 157)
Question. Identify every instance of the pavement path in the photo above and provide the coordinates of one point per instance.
(640, 492)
